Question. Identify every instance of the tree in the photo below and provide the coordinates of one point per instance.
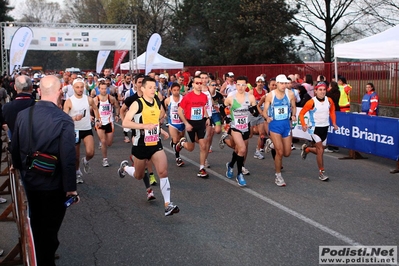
(41, 11)
(5, 8)
(233, 32)
(325, 22)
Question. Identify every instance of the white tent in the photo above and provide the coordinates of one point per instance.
(381, 46)
(384, 45)
(160, 62)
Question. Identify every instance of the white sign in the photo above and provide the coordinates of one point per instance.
(75, 39)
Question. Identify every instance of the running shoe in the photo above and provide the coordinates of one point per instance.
(150, 195)
(229, 170)
(105, 163)
(268, 145)
(171, 209)
(303, 152)
(179, 146)
(121, 171)
(279, 180)
(126, 140)
(328, 150)
(245, 171)
(258, 155)
(207, 165)
(179, 162)
(2, 200)
(322, 176)
(293, 147)
(79, 179)
(222, 138)
(241, 181)
(202, 173)
(153, 180)
(262, 150)
(86, 166)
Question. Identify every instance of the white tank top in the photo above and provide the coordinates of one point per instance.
(81, 106)
(172, 109)
(105, 110)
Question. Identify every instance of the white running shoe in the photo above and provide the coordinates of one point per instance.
(258, 155)
(79, 179)
(279, 180)
(268, 144)
(244, 171)
(105, 162)
(86, 166)
(322, 176)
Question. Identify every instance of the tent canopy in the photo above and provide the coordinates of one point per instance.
(160, 62)
(384, 45)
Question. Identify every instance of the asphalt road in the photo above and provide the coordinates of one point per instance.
(222, 224)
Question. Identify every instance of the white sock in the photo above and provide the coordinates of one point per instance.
(165, 189)
(78, 172)
(130, 170)
(84, 160)
(272, 146)
(202, 166)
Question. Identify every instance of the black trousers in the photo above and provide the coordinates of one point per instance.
(47, 211)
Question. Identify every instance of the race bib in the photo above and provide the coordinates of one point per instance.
(196, 113)
(174, 116)
(241, 123)
(281, 112)
(151, 136)
(105, 109)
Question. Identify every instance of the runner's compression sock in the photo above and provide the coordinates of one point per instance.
(165, 189)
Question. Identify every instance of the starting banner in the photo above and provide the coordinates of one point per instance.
(363, 133)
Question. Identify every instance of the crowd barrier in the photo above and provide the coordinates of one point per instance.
(23, 251)
(359, 132)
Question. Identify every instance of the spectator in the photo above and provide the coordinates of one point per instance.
(46, 195)
(344, 100)
(308, 84)
(370, 100)
(304, 95)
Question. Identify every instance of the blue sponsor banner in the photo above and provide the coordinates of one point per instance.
(369, 134)
(363, 133)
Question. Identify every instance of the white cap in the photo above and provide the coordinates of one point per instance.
(162, 76)
(230, 74)
(36, 76)
(197, 73)
(90, 75)
(101, 79)
(260, 78)
(282, 79)
(77, 81)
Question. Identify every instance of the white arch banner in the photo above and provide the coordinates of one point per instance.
(75, 39)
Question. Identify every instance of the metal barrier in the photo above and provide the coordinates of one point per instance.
(17, 211)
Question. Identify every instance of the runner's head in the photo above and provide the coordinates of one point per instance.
(148, 87)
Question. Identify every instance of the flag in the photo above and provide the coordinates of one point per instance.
(152, 50)
(118, 57)
(101, 58)
(19, 46)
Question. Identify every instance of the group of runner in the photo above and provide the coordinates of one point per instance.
(193, 118)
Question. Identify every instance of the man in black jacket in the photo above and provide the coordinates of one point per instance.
(51, 132)
(23, 100)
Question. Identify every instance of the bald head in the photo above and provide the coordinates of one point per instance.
(49, 87)
(23, 84)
